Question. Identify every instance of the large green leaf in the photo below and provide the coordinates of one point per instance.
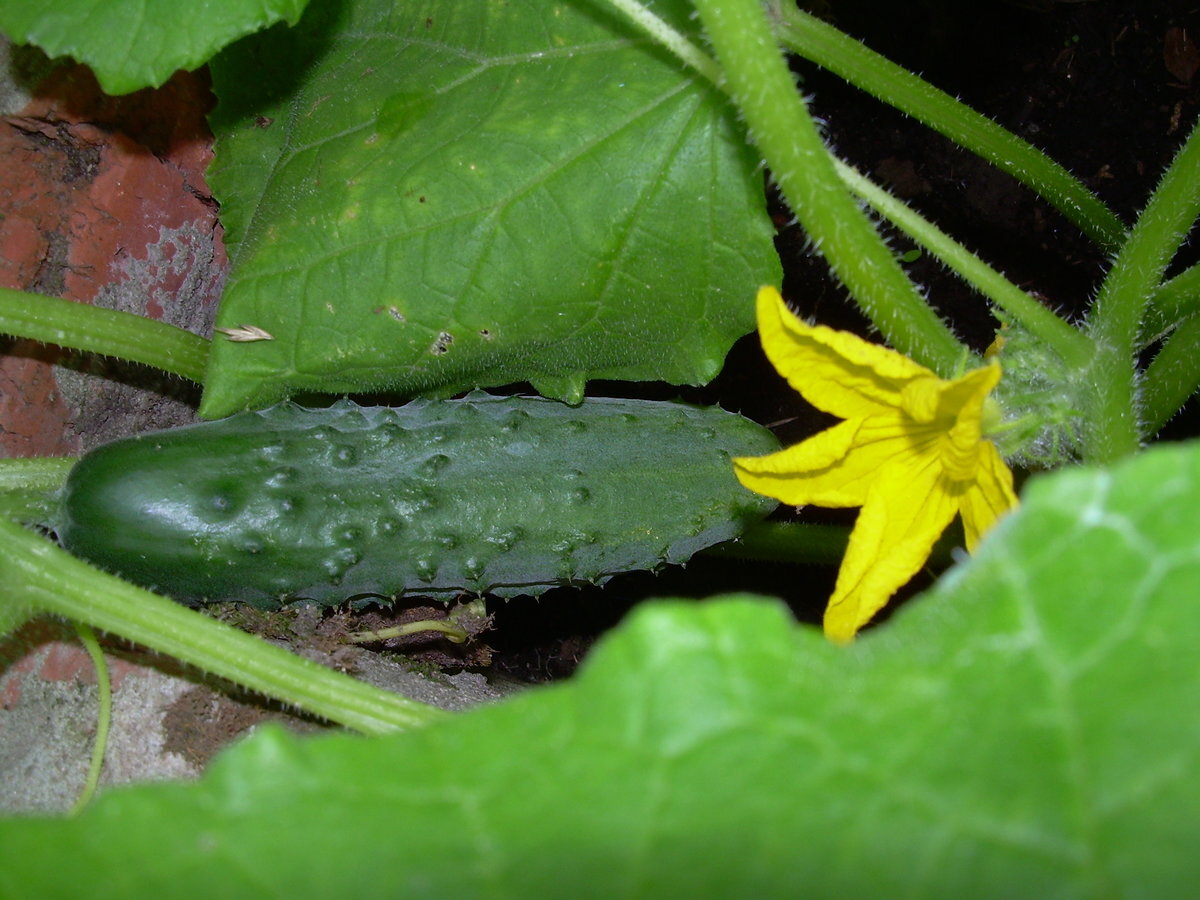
(1028, 729)
(431, 196)
(133, 44)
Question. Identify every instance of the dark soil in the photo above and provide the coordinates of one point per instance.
(1108, 88)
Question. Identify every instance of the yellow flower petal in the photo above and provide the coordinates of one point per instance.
(835, 371)
(891, 540)
(836, 467)
(990, 497)
(789, 475)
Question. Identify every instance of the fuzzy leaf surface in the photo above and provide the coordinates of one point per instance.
(432, 196)
(1026, 729)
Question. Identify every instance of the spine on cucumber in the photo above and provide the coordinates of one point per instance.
(484, 495)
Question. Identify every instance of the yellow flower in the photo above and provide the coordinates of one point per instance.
(911, 453)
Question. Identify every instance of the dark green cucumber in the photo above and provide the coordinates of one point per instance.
(486, 494)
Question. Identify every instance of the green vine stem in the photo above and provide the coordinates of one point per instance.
(29, 487)
(831, 49)
(664, 34)
(87, 637)
(94, 329)
(41, 577)
(1172, 301)
(1113, 427)
(1074, 348)
(1172, 377)
(807, 543)
(787, 542)
(780, 125)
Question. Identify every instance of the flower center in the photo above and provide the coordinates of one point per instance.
(959, 435)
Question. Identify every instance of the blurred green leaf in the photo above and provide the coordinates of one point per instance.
(433, 196)
(132, 44)
(1027, 729)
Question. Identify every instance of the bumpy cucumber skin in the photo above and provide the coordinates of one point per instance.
(486, 494)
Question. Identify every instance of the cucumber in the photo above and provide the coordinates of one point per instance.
(485, 494)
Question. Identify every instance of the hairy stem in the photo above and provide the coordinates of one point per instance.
(831, 49)
(779, 122)
(29, 487)
(1173, 377)
(1171, 302)
(110, 332)
(670, 38)
(1113, 428)
(1070, 344)
(40, 577)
